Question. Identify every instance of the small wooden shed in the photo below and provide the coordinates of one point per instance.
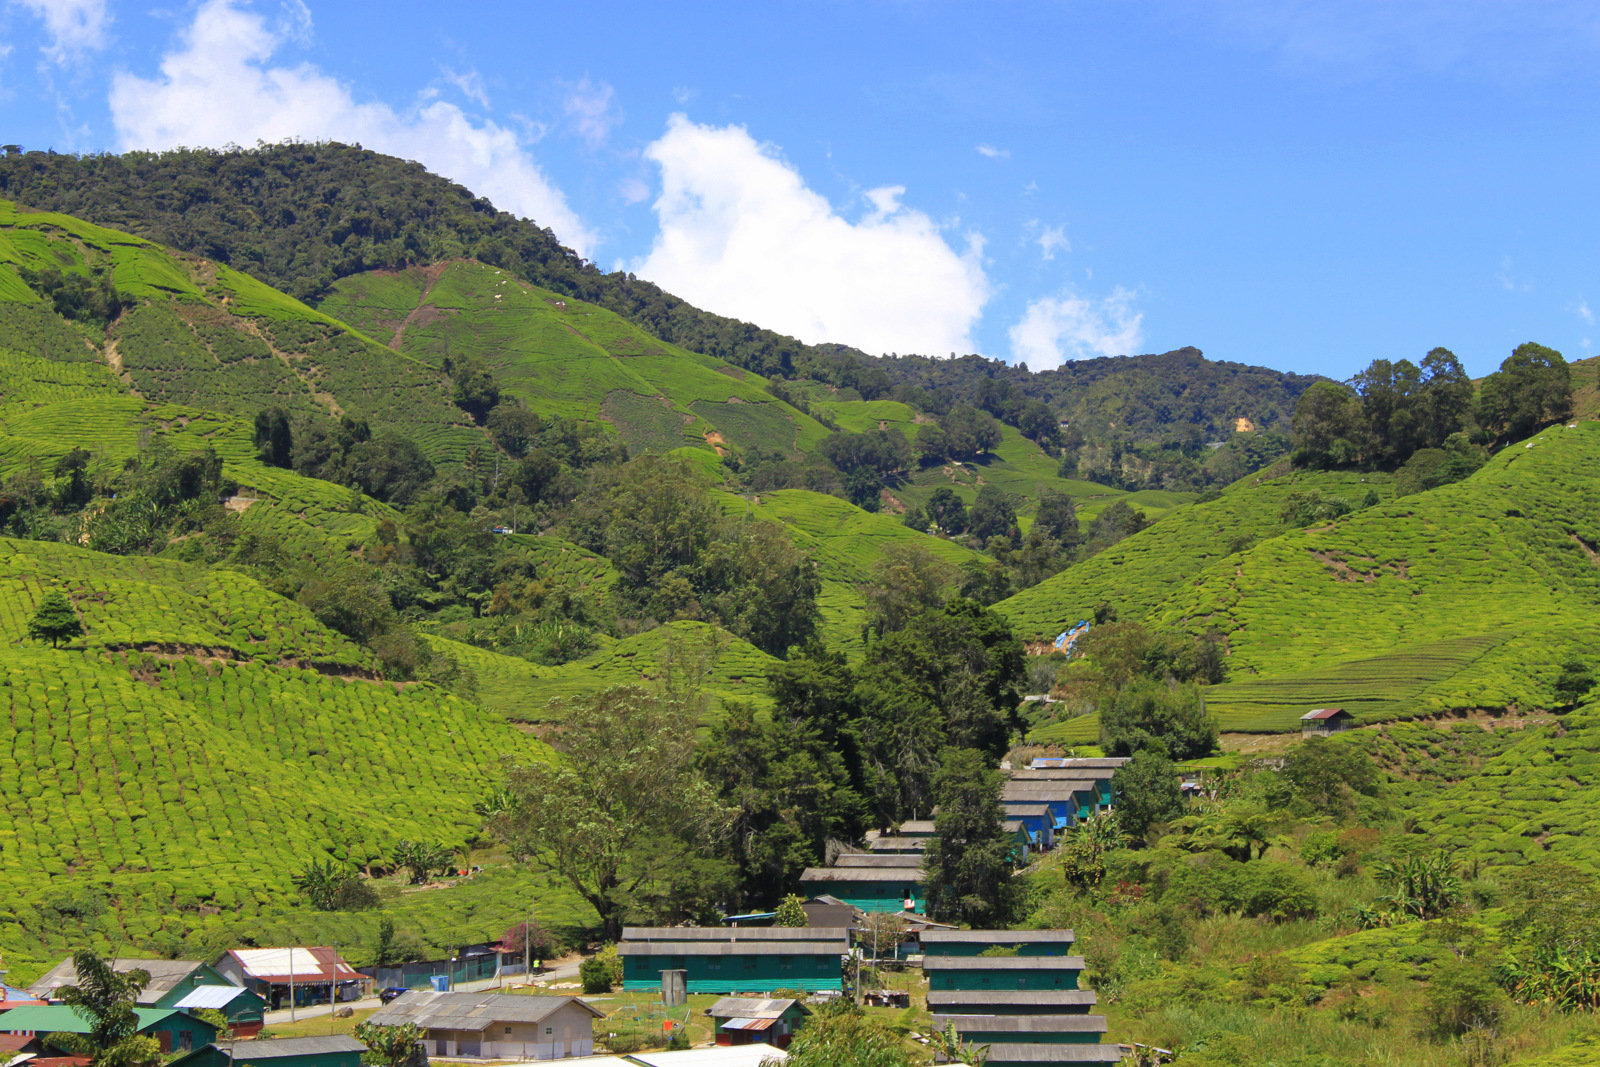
(1325, 721)
(753, 1021)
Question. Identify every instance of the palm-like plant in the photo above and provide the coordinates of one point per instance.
(948, 1046)
(1422, 887)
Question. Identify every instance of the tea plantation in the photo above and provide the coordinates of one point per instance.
(568, 359)
(1466, 596)
(205, 336)
(196, 747)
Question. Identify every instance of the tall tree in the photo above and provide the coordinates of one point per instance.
(1532, 388)
(55, 621)
(1327, 427)
(1145, 791)
(907, 580)
(968, 861)
(952, 677)
(606, 814)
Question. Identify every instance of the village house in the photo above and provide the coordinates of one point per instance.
(825, 912)
(297, 977)
(1036, 1054)
(869, 888)
(181, 984)
(749, 1021)
(735, 960)
(886, 860)
(175, 1031)
(1325, 721)
(337, 1051)
(1000, 972)
(495, 1026)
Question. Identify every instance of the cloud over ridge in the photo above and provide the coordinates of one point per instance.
(218, 87)
(742, 235)
(1056, 329)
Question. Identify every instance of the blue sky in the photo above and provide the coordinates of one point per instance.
(1307, 186)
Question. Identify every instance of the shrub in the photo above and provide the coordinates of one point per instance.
(595, 974)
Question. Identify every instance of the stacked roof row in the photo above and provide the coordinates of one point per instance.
(1025, 1005)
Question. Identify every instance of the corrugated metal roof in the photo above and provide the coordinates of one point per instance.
(277, 1047)
(1023, 1024)
(63, 1018)
(1002, 963)
(902, 875)
(916, 826)
(310, 963)
(730, 948)
(1323, 713)
(1001, 937)
(751, 1008)
(871, 859)
(747, 1024)
(898, 844)
(743, 933)
(164, 974)
(210, 996)
(470, 1011)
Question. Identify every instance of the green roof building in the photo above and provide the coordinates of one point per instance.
(176, 1031)
(181, 984)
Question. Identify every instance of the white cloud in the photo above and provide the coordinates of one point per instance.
(1056, 329)
(994, 153)
(588, 105)
(470, 84)
(1051, 239)
(1583, 311)
(742, 235)
(73, 25)
(218, 87)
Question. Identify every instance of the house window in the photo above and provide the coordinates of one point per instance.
(822, 963)
(547, 1032)
(786, 964)
(749, 963)
(713, 965)
(185, 1040)
(1022, 981)
(508, 1029)
(678, 963)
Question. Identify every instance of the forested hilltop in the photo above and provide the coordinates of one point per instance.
(301, 217)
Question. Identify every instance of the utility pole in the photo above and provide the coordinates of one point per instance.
(527, 947)
(291, 983)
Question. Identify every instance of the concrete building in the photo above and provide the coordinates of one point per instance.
(293, 976)
(338, 1051)
(495, 1026)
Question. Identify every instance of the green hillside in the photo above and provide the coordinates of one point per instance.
(1466, 596)
(200, 744)
(205, 336)
(566, 358)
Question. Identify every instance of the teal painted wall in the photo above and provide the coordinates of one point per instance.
(735, 974)
(982, 979)
(212, 1056)
(967, 948)
(1013, 1037)
(872, 896)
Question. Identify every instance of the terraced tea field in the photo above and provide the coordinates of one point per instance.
(183, 757)
(568, 359)
(212, 338)
(1467, 596)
